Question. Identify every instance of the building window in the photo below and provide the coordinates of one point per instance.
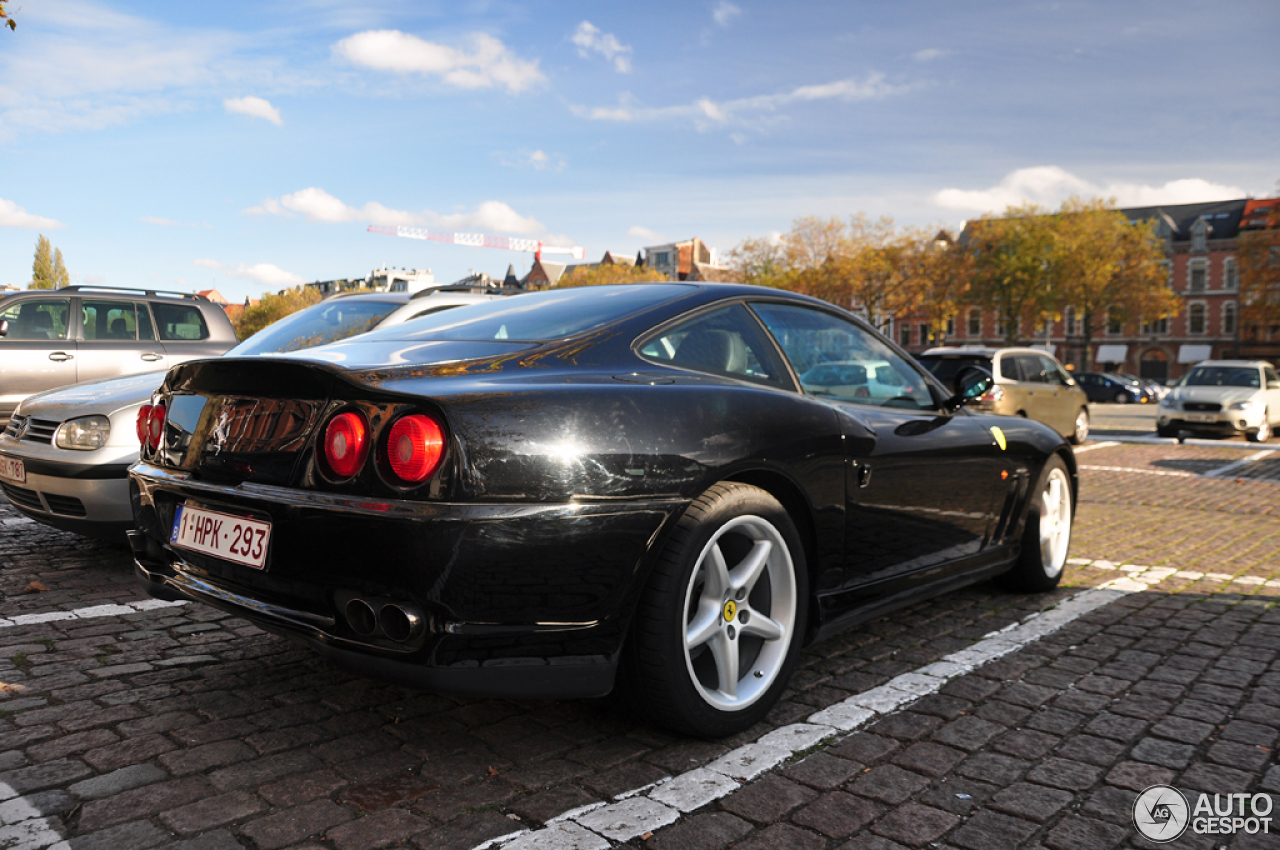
(1199, 234)
(1230, 277)
(924, 334)
(975, 323)
(951, 326)
(905, 335)
(1069, 321)
(1229, 318)
(1158, 326)
(661, 258)
(1002, 325)
(1198, 275)
(1195, 318)
(1115, 324)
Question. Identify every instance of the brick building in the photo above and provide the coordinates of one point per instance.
(1200, 246)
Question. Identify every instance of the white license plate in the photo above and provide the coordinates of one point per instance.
(232, 538)
(1202, 417)
(12, 469)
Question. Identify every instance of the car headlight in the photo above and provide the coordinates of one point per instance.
(1242, 405)
(83, 434)
(1169, 402)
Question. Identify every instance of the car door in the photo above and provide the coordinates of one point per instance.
(1062, 395)
(116, 338)
(38, 353)
(1272, 392)
(922, 485)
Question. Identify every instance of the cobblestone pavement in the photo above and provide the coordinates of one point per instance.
(181, 726)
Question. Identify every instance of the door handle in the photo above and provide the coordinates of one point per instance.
(151, 358)
(60, 356)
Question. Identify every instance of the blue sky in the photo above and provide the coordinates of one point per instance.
(247, 146)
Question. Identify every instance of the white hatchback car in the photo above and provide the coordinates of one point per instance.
(65, 454)
(1223, 397)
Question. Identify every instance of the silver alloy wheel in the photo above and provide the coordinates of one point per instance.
(1055, 522)
(1082, 426)
(739, 617)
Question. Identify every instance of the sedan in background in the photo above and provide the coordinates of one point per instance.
(1109, 388)
(620, 486)
(1223, 398)
(65, 454)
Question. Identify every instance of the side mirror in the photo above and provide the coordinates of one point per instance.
(970, 384)
(4, 327)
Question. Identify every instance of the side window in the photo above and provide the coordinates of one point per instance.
(1270, 374)
(1009, 368)
(38, 318)
(1032, 368)
(836, 358)
(180, 322)
(1052, 371)
(723, 342)
(145, 329)
(114, 320)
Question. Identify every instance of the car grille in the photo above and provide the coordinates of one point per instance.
(1202, 406)
(22, 496)
(30, 499)
(37, 430)
(65, 505)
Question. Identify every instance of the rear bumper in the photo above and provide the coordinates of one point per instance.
(515, 600)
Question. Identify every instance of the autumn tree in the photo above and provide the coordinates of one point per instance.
(1102, 266)
(42, 270)
(273, 307)
(1012, 256)
(939, 278)
(602, 273)
(5, 20)
(780, 260)
(1258, 261)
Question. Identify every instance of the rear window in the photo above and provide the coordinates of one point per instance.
(180, 322)
(328, 321)
(945, 367)
(538, 316)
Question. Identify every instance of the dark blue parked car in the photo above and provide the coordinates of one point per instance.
(1107, 387)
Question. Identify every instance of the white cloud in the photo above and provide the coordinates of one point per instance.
(254, 107)
(265, 273)
(725, 12)
(488, 63)
(928, 55)
(12, 215)
(653, 237)
(316, 204)
(706, 113)
(538, 160)
(590, 40)
(1049, 186)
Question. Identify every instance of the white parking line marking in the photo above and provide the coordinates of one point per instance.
(1141, 471)
(1105, 445)
(88, 613)
(1230, 469)
(25, 826)
(662, 804)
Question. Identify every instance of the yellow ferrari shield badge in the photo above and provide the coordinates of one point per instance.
(730, 611)
(999, 435)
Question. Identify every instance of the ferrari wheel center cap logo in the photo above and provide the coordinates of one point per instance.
(730, 611)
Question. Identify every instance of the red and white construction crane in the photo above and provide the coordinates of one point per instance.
(479, 240)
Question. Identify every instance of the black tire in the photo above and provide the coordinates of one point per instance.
(1166, 432)
(1041, 564)
(673, 686)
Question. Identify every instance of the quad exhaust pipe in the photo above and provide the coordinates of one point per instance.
(399, 621)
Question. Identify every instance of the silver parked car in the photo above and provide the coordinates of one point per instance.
(1223, 398)
(65, 453)
(54, 337)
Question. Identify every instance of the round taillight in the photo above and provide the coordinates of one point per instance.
(155, 426)
(415, 448)
(144, 413)
(346, 442)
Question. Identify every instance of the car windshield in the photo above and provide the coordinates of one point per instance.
(944, 367)
(328, 321)
(536, 317)
(1222, 376)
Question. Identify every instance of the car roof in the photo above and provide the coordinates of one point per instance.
(979, 350)
(1257, 364)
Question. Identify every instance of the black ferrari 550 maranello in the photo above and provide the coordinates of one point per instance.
(665, 488)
